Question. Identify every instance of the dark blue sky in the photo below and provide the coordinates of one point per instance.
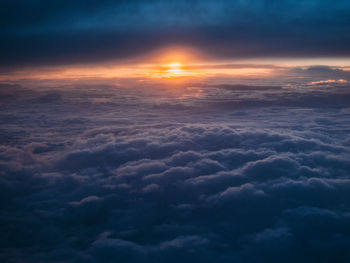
(37, 32)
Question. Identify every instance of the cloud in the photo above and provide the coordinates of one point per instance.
(323, 73)
(234, 176)
(63, 33)
(328, 81)
(85, 200)
(239, 192)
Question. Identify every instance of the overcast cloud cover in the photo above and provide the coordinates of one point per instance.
(36, 32)
(197, 173)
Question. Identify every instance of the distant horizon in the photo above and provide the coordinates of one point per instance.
(156, 66)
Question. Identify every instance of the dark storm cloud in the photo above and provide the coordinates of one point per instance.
(58, 32)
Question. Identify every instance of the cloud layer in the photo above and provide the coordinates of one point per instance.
(112, 173)
(61, 32)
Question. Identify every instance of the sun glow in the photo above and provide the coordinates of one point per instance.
(174, 63)
(175, 68)
(171, 70)
(171, 64)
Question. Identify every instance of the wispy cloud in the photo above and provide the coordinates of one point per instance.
(328, 81)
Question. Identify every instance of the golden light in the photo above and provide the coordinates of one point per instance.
(171, 69)
(175, 65)
(175, 69)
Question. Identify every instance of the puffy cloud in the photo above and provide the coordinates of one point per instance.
(86, 181)
(85, 200)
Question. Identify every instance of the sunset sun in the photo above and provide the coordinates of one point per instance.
(172, 70)
(175, 68)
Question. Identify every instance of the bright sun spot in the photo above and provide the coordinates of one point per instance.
(175, 68)
(175, 65)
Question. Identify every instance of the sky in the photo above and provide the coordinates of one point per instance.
(41, 33)
(166, 131)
